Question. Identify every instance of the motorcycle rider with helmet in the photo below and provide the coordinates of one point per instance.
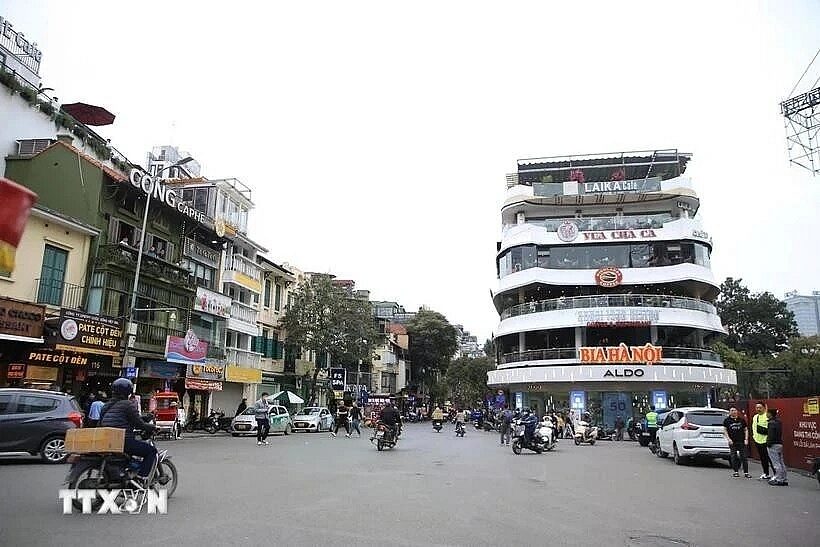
(529, 421)
(391, 418)
(121, 413)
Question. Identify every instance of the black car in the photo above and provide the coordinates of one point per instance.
(35, 421)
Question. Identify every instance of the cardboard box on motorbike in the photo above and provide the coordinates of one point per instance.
(94, 439)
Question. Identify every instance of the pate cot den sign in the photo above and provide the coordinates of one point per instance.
(86, 333)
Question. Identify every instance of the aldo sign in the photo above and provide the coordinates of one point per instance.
(156, 189)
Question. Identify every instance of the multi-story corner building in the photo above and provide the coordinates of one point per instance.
(806, 310)
(605, 291)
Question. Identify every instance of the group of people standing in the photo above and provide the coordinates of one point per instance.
(348, 417)
(767, 434)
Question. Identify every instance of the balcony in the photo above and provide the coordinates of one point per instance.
(619, 300)
(243, 358)
(59, 294)
(152, 337)
(243, 272)
(125, 256)
(243, 318)
(571, 354)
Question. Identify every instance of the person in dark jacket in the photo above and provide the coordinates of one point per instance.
(774, 444)
(121, 413)
(242, 406)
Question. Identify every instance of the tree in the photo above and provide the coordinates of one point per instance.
(326, 319)
(758, 324)
(489, 348)
(801, 361)
(432, 344)
(467, 379)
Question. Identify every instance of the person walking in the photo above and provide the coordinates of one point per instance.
(242, 406)
(506, 425)
(774, 442)
(355, 419)
(619, 428)
(341, 420)
(94, 410)
(760, 430)
(262, 414)
(735, 431)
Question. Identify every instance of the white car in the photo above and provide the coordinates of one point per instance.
(245, 423)
(693, 432)
(313, 418)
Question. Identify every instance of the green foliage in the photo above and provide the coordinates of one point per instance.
(326, 319)
(47, 108)
(758, 324)
(802, 361)
(432, 343)
(29, 94)
(489, 348)
(466, 380)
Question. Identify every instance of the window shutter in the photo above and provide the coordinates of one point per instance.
(170, 256)
(113, 230)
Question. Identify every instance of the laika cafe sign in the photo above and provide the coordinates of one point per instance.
(156, 189)
(622, 354)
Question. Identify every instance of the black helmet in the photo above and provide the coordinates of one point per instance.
(122, 388)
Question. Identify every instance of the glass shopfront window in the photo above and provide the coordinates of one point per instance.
(584, 257)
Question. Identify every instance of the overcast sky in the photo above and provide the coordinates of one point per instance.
(376, 137)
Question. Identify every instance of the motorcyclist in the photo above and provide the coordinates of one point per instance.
(461, 417)
(529, 421)
(121, 413)
(391, 418)
(438, 416)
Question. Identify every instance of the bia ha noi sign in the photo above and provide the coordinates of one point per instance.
(648, 354)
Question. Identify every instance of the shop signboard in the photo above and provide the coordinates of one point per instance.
(659, 399)
(622, 353)
(243, 375)
(21, 320)
(64, 358)
(205, 371)
(212, 303)
(197, 384)
(130, 372)
(577, 400)
(187, 350)
(800, 417)
(637, 186)
(161, 369)
(34, 372)
(338, 379)
(16, 371)
(86, 333)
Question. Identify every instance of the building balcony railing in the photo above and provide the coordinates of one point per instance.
(239, 263)
(243, 357)
(698, 354)
(243, 312)
(125, 256)
(57, 293)
(615, 222)
(604, 301)
(153, 337)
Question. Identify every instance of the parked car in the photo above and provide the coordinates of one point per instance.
(245, 423)
(313, 418)
(693, 432)
(35, 421)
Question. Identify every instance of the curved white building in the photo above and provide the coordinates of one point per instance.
(605, 290)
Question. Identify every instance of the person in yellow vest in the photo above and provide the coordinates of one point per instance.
(652, 422)
(760, 431)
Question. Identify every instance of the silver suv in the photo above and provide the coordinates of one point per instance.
(35, 421)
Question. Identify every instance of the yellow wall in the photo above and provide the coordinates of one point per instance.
(40, 232)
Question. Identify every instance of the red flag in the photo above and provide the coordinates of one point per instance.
(15, 206)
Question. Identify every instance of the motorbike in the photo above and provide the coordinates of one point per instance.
(460, 430)
(546, 432)
(634, 431)
(520, 441)
(384, 436)
(106, 471)
(437, 425)
(605, 434)
(585, 433)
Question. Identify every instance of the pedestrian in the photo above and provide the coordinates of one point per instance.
(182, 418)
(737, 434)
(262, 414)
(94, 411)
(356, 418)
(760, 430)
(619, 428)
(341, 420)
(506, 425)
(242, 406)
(774, 442)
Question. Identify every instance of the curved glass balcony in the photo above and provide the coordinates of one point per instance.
(607, 301)
(698, 354)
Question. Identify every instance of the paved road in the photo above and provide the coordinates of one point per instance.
(434, 489)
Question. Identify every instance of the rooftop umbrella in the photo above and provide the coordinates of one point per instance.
(289, 395)
(89, 114)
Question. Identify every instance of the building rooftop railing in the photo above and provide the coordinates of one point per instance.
(605, 301)
(698, 354)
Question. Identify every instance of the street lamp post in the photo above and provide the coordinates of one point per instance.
(140, 250)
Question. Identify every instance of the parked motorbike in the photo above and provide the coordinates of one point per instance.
(437, 424)
(384, 436)
(118, 472)
(585, 433)
(634, 431)
(605, 434)
(520, 440)
(460, 430)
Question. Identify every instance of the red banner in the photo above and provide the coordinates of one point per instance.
(800, 417)
(202, 385)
